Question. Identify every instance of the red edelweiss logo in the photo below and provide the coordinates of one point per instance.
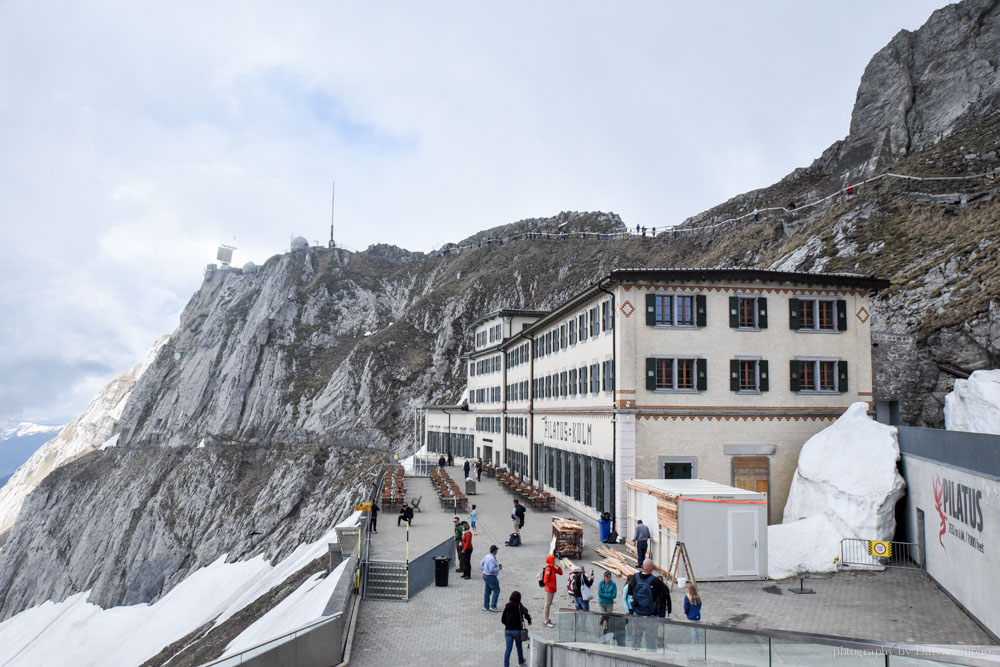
(938, 496)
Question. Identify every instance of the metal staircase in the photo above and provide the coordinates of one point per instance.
(385, 580)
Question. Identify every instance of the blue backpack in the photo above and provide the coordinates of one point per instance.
(643, 603)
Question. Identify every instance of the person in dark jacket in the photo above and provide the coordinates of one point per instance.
(579, 580)
(479, 470)
(649, 596)
(442, 462)
(451, 459)
(405, 514)
(514, 615)
(467, 468)
(458, 544)
(373, 517)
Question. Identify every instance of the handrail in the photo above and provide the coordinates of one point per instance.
(902, 649)
(277, 640)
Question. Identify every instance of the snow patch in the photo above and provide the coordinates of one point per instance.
(846, 485)
(76, 632)
(110, 442)
(974, 405)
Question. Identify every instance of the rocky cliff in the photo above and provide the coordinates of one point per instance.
(294, 375)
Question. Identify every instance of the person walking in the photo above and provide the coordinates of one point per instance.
(466, 552)
(641, 539)
(514, 615)
(458, 544)
(442, 461)
(451, 459)
(692, 608)
(472, 519)
(479, 470)
(467, 468)
(491, 573)
(373, 517)
(549, 573)
(579, 580)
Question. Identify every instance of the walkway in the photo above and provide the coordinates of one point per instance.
(447, 626)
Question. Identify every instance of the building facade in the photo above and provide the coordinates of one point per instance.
(720, 374)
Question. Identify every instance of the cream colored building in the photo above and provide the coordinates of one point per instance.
(720, 374)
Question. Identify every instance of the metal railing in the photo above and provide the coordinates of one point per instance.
(875, 553)
(636, 639)
(294, 652)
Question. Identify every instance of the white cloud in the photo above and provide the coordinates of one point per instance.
(138, 136)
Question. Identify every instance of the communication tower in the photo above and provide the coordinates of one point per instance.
(225, 254)
(333, 198)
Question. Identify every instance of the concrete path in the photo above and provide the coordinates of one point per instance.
(447, 626)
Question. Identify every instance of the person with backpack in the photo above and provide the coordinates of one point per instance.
(581, 588)
(514, 615)
(641, 539)
(646, 595)
(692, 608)
(548, 580)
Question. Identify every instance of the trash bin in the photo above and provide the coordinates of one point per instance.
(604, 523)
(470, 487)
(441, 568)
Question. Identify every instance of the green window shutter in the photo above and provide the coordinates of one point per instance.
(762, 369)
(841, 315)
(650, 310)
(734, 312)
(794, 315)
(651, 374)
(761, 312)
(842, 379)
(794, 373)
(734, 374)
(700, 314)
(702, 370)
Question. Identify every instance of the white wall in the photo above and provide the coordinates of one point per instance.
(965, 559)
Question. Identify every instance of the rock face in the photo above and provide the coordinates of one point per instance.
(974, 405)
(283, 369)
(846, 485)
(93, 427)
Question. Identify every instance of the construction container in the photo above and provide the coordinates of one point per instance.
(724, 528)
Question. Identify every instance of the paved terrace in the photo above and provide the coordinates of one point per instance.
(447, 625)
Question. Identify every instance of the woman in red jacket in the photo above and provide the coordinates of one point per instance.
(466, 552)
(549, 578)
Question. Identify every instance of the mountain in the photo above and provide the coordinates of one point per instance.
(19, 441)
(297, 376)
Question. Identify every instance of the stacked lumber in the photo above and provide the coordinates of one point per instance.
(615, 562)
(567, 525)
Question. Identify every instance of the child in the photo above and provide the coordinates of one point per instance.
(692, 608)
(472, 518)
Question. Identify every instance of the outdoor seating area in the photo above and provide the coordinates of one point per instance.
(526, 491)
(448, 490)
(489, 470)
(393, 489)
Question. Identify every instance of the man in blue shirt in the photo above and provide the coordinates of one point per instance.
(491, 570)
(641, 540)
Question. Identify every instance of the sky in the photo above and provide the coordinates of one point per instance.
(136, 137)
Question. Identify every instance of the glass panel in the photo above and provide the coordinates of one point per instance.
(685, 373)
(685, 643)
(644, 634)
(685, 310)
(793, 652)
(736, 648)
(565, 621)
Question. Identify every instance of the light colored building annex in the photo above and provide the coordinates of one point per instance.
(720, 374)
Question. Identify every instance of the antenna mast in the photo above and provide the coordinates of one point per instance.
(333, 198)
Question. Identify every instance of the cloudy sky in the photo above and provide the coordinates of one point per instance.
(136, 136)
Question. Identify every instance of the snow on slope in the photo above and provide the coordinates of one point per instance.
(21, 429)
(85, 433)
(846, 485)
(76, 632)
(974, 405)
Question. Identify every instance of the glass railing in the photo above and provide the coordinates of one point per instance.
(289, 657)
(686, 643)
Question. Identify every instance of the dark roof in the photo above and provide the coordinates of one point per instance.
(508, 312)
(750, 274)
(735, 274)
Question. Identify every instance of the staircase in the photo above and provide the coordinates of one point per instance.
(385, 580)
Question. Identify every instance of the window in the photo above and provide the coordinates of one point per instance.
(748, 375)
(588, 480)
(572, 382)
(555, 340)
(572, 332)
(606, 321)
(818, 375)
(609, 376)
(595, 379)
(678, 374)
(582, 326)
(548, 386)
(817, 314)
(747, 312)
(677, 470)
(664, 310)
(563, 337)
(563, 383)
(595, 323)
(548, 343)
(583, 380)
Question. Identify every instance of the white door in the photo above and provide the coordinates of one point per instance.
(744, 558)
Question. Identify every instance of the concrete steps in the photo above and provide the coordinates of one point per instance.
(386, 581)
